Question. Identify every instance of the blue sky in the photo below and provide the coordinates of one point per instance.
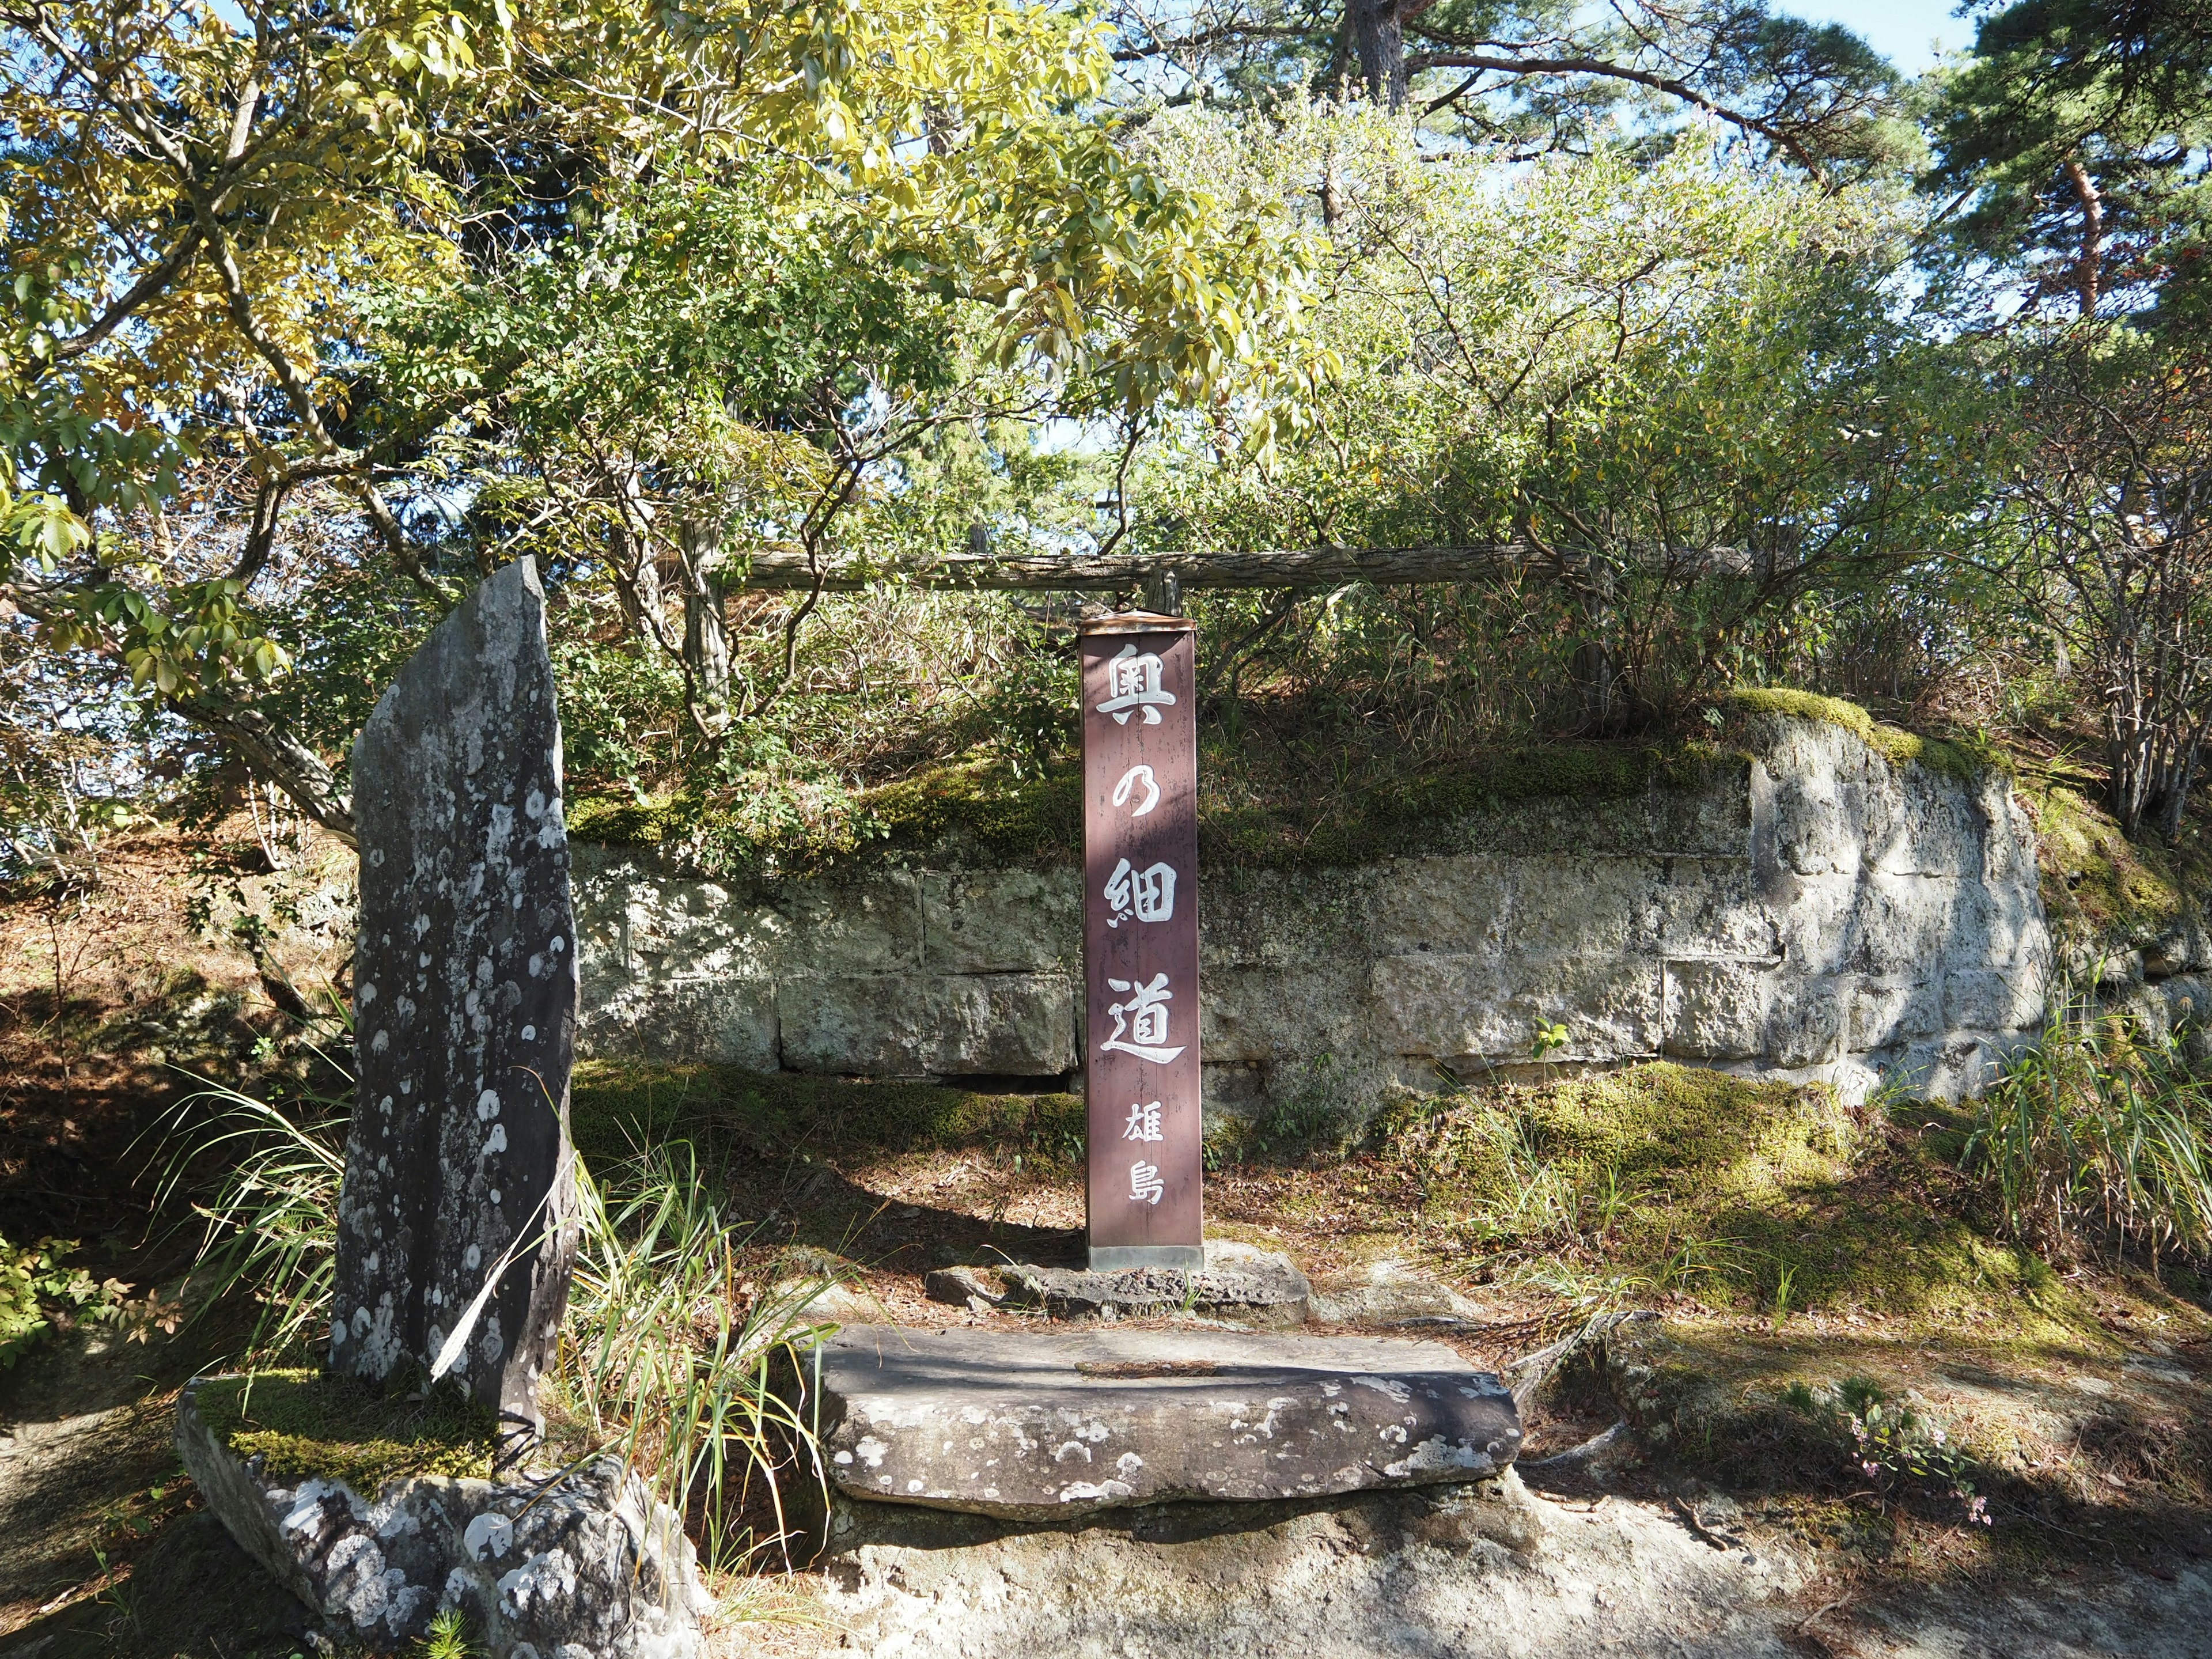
(1898, 29)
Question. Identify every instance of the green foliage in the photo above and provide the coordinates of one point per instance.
(994, 810)
(618, 705)
(1901, 1451)
(679, 1318)
(1627, 366)
(463, 290)
(2078, 131)
(2101, 1131)
(448, 1637)
(678, 1332)
(35, 1285)
(306, 1425)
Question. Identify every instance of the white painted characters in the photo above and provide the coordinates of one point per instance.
(1144, 1019)
(1147, 894)
(1132, 683)
(1145, 1186)
(1144, 1123)
(1135, 778)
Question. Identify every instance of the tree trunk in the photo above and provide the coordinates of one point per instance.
(706, 632)
(636, 568)
(2088, 265)
(1379, 42)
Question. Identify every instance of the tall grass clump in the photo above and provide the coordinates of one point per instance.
(684, 1335)
(2101, 1128)
(271, 1217)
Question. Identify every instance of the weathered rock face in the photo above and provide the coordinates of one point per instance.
(1041, 1427)
(464, 1000)
(591, 1568)
(1813, 910)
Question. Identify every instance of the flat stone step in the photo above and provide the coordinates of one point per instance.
(1041, 1426)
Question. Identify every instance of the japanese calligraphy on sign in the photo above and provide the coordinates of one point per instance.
(1140, 941)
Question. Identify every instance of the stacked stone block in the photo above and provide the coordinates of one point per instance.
(1811, 910)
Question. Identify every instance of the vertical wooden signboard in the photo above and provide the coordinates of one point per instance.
(1140, 941)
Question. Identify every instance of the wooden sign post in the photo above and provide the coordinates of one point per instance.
(1140, 941)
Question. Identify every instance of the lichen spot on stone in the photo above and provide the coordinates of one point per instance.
(488, 1105)
(489, 1533)
(496, 1140)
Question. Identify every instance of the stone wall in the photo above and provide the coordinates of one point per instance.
(1810, 910)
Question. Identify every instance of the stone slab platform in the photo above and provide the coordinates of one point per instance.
(1046, 1426)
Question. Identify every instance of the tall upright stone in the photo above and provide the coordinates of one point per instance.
(457, 1166)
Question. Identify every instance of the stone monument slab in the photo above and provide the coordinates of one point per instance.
(1045, 1426)
(455, 1235)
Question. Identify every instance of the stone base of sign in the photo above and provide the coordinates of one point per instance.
(589, 1568)
(1235, 1282)
(1125, 1258)
(1042, 1426)
(1389, 1293)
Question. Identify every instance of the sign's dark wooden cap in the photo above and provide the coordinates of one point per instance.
(1135, 621)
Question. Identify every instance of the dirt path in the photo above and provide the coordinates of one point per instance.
(1514, 1573)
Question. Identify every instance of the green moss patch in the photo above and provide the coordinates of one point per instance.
(2106, 887)
(305, 1425)
(1953, 757)
(986, 812)
(1761, 1195)
(617, 1108)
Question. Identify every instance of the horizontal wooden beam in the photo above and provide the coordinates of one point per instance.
(785, 570)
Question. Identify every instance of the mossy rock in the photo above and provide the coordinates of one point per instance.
(305, 1425)
(2107, 889)
(1967, 761)
(988, 810)
(988, 813)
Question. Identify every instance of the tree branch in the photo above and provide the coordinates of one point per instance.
(277, 756)
(1604, 69)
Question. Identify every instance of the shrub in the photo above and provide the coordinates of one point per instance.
(2101, 1127)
